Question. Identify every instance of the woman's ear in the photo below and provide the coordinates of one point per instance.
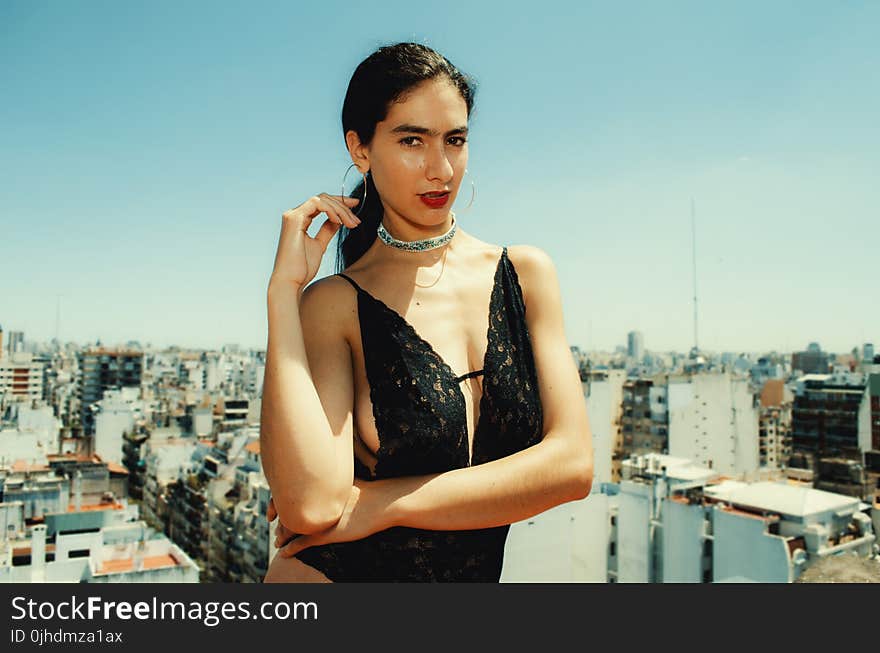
(360, 155)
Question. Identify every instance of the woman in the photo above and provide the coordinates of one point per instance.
(412, 408)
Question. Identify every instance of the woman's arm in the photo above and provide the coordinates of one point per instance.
(499, 492)
(556, 470)
(306, 421)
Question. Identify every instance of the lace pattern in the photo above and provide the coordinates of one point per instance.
(421, 419)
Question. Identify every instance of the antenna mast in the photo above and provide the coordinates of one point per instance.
(57, 314)
(694, 236)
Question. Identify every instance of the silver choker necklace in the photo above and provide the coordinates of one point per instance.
(417, 245)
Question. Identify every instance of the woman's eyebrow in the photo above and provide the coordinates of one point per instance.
(415, 129)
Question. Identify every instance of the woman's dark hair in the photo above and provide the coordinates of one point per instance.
(380, 80)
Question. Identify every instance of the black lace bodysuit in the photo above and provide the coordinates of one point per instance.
(420, 416)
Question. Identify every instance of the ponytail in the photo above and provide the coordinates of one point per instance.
(353, 243)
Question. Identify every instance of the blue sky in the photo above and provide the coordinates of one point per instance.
(149, 149)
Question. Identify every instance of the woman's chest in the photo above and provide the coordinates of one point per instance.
(415, 413)
(414, 400)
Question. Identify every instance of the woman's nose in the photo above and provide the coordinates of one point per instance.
(438, 165)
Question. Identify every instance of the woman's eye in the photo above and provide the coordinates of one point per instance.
(412, 141)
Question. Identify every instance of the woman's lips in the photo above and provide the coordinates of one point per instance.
(435, 201)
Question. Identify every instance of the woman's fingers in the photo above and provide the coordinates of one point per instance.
(340, 209)
(299, 255)
(326, 232)
(331, 208)
(343, 203)
(284, 536)
(271, 513)
(335, 206)
(282, 533)
(296, 545)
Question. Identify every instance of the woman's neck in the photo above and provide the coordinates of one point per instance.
(379, 252)
(407, 230)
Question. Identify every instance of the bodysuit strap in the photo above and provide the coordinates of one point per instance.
(351, 281)
(469, 375)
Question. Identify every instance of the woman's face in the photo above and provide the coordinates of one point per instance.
(421, 147)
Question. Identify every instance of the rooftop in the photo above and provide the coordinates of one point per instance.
(815, 377)
(677, 469)
(127, 564)
(21, 465)
(117, 468)
(90, 507)
(782, 498)
(107, 351)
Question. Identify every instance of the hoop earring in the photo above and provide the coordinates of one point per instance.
(364, 199)
(473, 193)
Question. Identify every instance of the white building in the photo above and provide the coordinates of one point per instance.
(202, 421)
(713, 421)
(167, 453)
(256, 372)
(35, 437)
(670, 520)
(166, 457)
(115, 416)
(21, 377)
(784, 528)
(702, 527)
(84, 536)
(214, 373)
(604, 396)
(36, 487)
(570, 542)
(123, 553)
(638, 519)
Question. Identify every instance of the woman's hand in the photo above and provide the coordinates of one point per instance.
(299, 255)
(282, 533)
(366, 512)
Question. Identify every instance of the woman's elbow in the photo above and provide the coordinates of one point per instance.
(307, 519)
(581, 478)
(584, 481)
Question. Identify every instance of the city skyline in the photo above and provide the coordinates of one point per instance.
(614, 351)
(146, 172)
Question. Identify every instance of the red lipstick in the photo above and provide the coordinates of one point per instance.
(435, 201)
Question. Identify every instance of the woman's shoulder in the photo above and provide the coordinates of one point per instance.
(533, 266)
(530, 259)
(328, 290)
(527, 256)
(330, 301)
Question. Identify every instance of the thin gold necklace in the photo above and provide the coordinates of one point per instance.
(442, 269)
